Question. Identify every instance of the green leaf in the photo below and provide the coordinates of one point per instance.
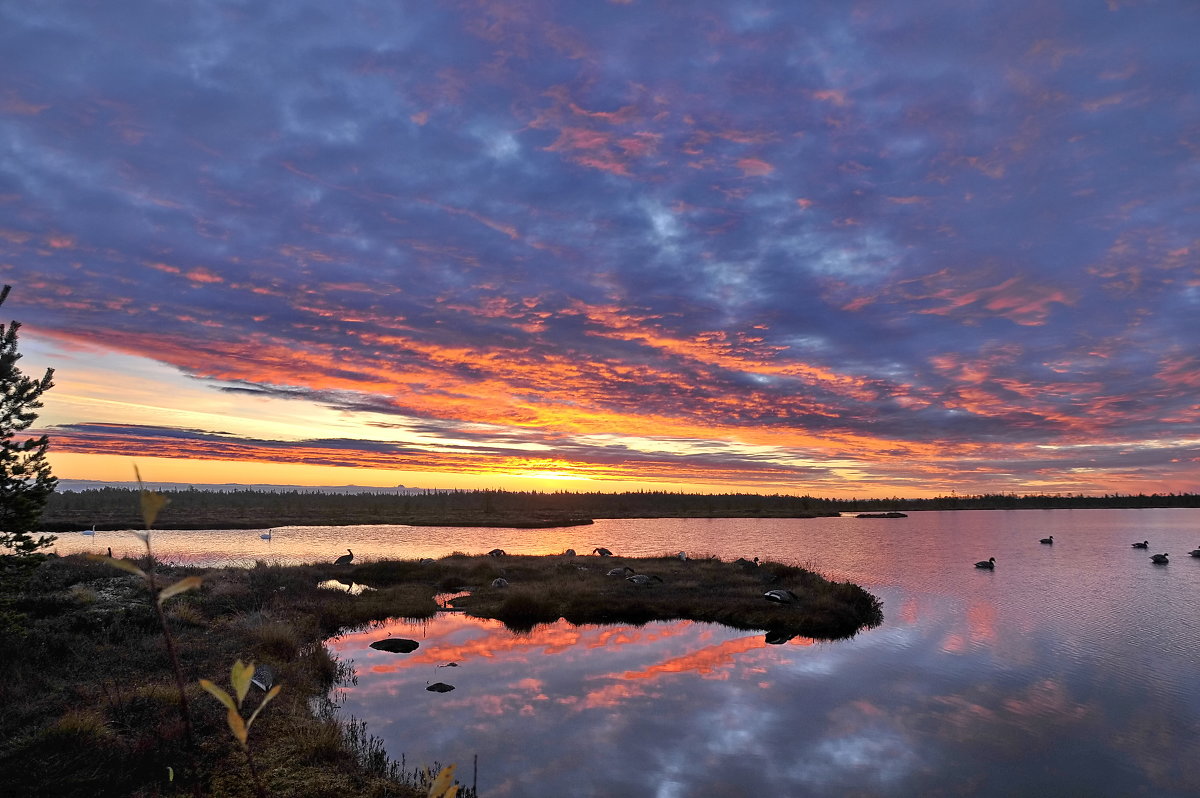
(274, 691)
(182, 586)
(443, 784)
(219, 694)
(239, 677)
(124, 565)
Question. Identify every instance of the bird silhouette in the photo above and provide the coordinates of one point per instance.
(989, 563)
(1145, 544)
(496, 553)
(603, 552)
(1048, 540)
(344, 559)
(1158, 559)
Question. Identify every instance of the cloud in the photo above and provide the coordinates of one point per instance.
(787, 227)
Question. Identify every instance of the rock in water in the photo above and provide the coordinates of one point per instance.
(396, 645)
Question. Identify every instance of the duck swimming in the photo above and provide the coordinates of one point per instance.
(989, 563)
(1049, 540)
(1145, 544)
(1158, 559)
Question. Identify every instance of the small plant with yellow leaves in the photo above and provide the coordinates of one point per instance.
(240, 677)
(153, 503)
(443, 785)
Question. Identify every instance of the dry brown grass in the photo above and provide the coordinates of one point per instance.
(543, 589)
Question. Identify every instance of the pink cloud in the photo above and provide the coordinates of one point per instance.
(755, 167)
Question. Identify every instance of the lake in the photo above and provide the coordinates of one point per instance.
(1072, 669)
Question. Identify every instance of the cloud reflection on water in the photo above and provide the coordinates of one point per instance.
(691, 709)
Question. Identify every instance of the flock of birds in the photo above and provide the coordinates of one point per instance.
(1157, 559)
(777, 596)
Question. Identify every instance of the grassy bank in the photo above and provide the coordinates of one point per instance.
(580, 590)
(91, 707)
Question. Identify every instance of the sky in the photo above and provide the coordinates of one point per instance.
(829, 248)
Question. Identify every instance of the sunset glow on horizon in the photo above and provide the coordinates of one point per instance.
(836, 249)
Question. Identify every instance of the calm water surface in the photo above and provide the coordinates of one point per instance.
(1071, 670)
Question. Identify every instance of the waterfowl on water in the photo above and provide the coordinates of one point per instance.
(1158, 559)
(91, 531)
(110, 553)
(1145, 544)
(266, 535)
(496, 553)
(1049, 540)
(989, 563)
(1193, 552)
(643, 579)
(603, 552)
(780, 596)
(344, 559)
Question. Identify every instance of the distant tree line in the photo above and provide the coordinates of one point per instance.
(118, 507)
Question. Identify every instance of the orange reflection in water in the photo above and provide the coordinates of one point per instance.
(525, 669)
(708, 662)
(440, 641)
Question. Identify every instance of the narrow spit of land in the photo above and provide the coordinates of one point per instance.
(91, 705)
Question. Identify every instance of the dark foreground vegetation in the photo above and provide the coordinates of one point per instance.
(91, 706)
(116, 508)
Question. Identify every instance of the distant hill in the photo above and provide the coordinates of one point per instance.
(76, 485)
